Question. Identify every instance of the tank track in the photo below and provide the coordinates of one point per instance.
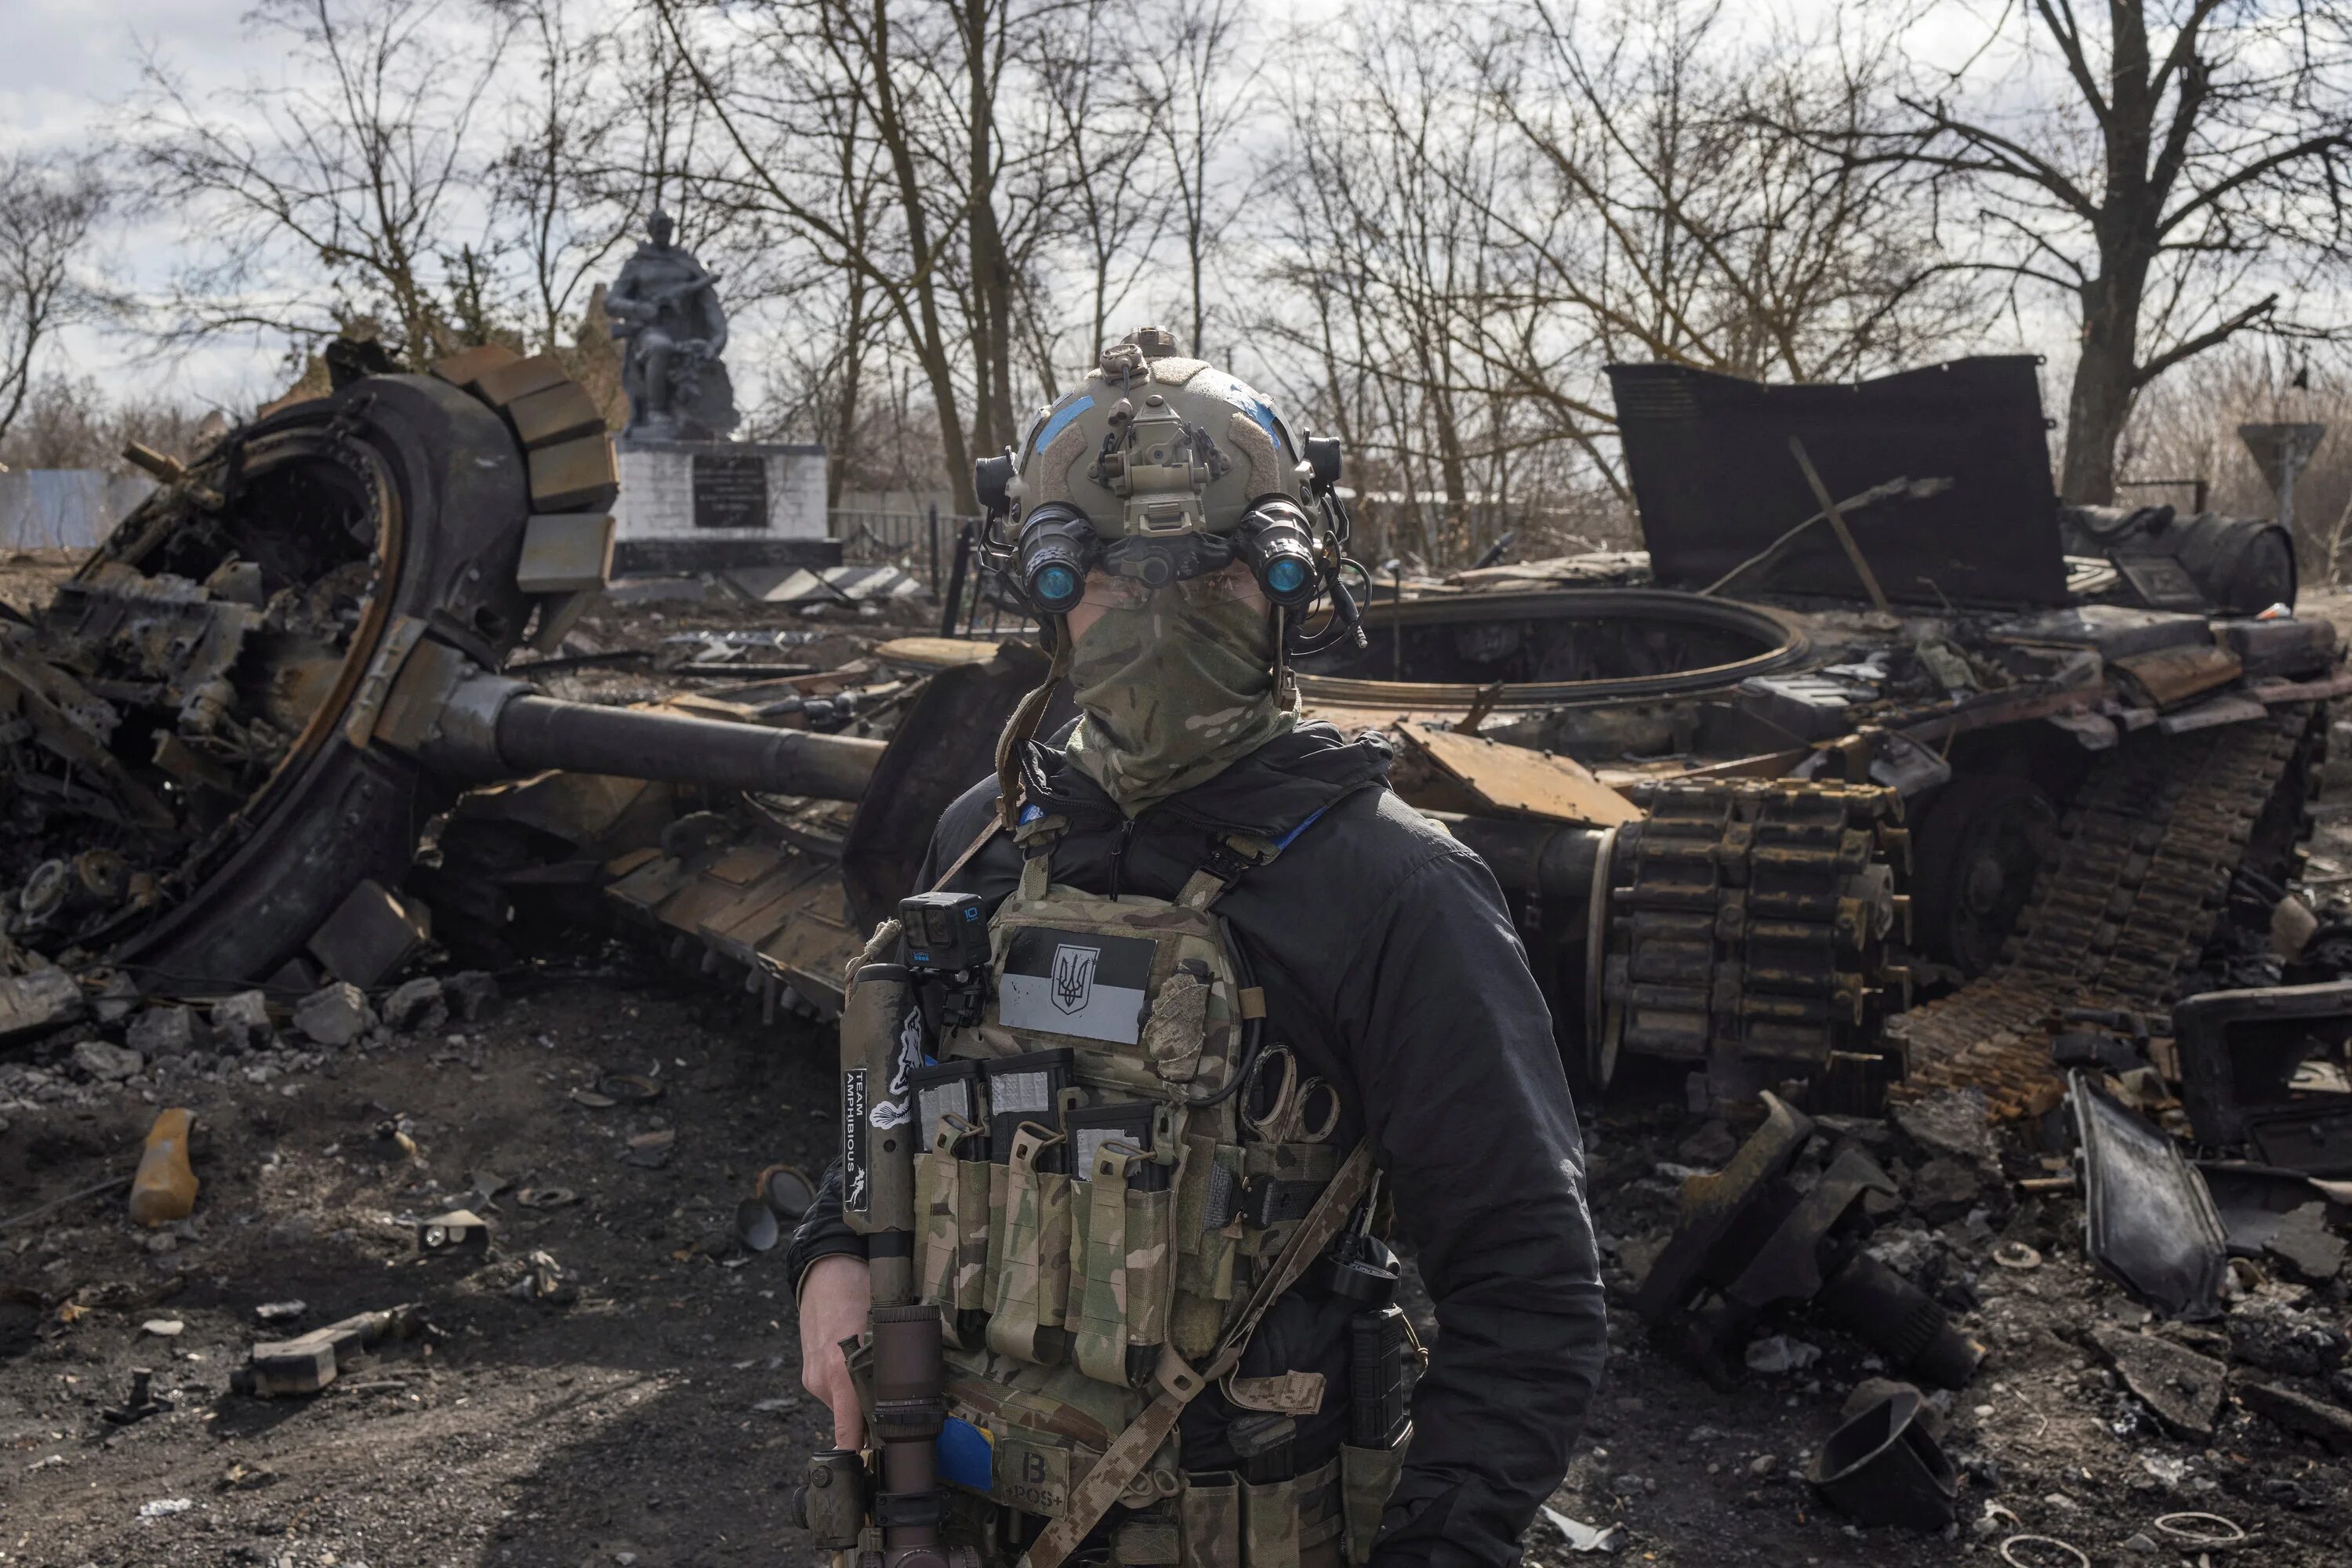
(1745, 924)
(2131, 897)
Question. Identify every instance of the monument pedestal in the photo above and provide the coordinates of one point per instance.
(707, 506)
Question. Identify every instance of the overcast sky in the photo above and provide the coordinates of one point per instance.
(68, 67)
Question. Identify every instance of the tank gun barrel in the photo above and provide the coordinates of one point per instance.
(497, 727)
(540, 732)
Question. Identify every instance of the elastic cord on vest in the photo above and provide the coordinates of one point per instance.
(1022, 727)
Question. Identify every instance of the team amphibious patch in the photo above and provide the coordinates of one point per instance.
(1076, 982)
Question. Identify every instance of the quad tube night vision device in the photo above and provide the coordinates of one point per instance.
(1160, 470)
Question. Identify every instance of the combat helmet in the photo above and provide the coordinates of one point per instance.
(1161, 468)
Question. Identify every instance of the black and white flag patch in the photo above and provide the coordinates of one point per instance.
(1076, 983)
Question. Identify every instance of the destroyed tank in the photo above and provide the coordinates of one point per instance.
(2021, 756)
(1742, 790)
(224, 735)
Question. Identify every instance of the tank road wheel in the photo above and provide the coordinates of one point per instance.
(1976, 857)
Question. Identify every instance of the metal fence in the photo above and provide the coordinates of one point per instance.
(64, 508)
(937, 548)
(915, 542)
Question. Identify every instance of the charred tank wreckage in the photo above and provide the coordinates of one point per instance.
(1874, 722)
(1880, 772)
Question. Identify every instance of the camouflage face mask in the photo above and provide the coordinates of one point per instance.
(1175, 686)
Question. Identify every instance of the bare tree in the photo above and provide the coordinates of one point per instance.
(1203, 94)
(1110, 127)
(2185, 427)
(1660, 210)
(1386, 254)
(2181, 170)
(813, 130)
(811, 96)
(342, 192)
(1490, 204)
(567, 185)
(70, 421)
(47, 210)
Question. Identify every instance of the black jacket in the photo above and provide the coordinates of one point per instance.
(1390, 966)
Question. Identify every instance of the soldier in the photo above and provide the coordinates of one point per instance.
(1243, 1007)
(666, 311)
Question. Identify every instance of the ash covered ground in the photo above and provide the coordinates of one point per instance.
(616, 1381)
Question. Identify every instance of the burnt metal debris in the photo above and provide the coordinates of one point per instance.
(1882, 784)
(223, 733)
(1712, 473)
(2246, 1058)
(1883, 1467)
(2147, 1218)
(2083, 732)
(1753, 1242)
(1730, 820)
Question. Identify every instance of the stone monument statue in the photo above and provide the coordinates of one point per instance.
(664, 310)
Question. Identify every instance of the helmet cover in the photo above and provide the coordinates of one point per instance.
(1154, 444)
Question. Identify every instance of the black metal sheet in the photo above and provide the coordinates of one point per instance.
(2147, 1218)
(1717, 483)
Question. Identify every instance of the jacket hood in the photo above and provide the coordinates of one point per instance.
(1265, 794)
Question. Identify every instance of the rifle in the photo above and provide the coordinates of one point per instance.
(652, 304)
(878, 1139)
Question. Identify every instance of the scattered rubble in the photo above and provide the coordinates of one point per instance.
(2184, 1389)
(166, 1031)
(2148, 1217)
(1968, 1227)
(418, 1006)
(142, 1402)
(470, 992)
(1881, 1466)
(2306, 1244)
(459, 1230)
(1581, 1537)
(48, 998)
(308, 1364)
(2274, 1337)
(1753, 1240)
(163, 1188)
(242, 1022)
(110, 1063)
(2299, 1413)
(334, 1015)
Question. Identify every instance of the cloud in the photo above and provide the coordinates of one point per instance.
(67, 71)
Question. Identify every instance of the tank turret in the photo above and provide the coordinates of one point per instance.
(237, 718)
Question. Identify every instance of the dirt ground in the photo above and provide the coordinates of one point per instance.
(657, 1417)
(652, 1414)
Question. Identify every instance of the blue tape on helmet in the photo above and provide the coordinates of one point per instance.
(1061, 418)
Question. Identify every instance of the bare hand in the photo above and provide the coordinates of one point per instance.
(836, 1298)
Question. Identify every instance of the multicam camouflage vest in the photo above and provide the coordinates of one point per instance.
(1090, 1195)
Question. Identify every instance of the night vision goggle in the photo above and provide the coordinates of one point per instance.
(1059, 545)
(1292, 558)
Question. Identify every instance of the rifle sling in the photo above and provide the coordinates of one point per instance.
(1180, 1384)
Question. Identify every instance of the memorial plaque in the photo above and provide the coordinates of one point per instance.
(730, 492)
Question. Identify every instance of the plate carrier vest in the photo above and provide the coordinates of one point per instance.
(1100, 1228)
